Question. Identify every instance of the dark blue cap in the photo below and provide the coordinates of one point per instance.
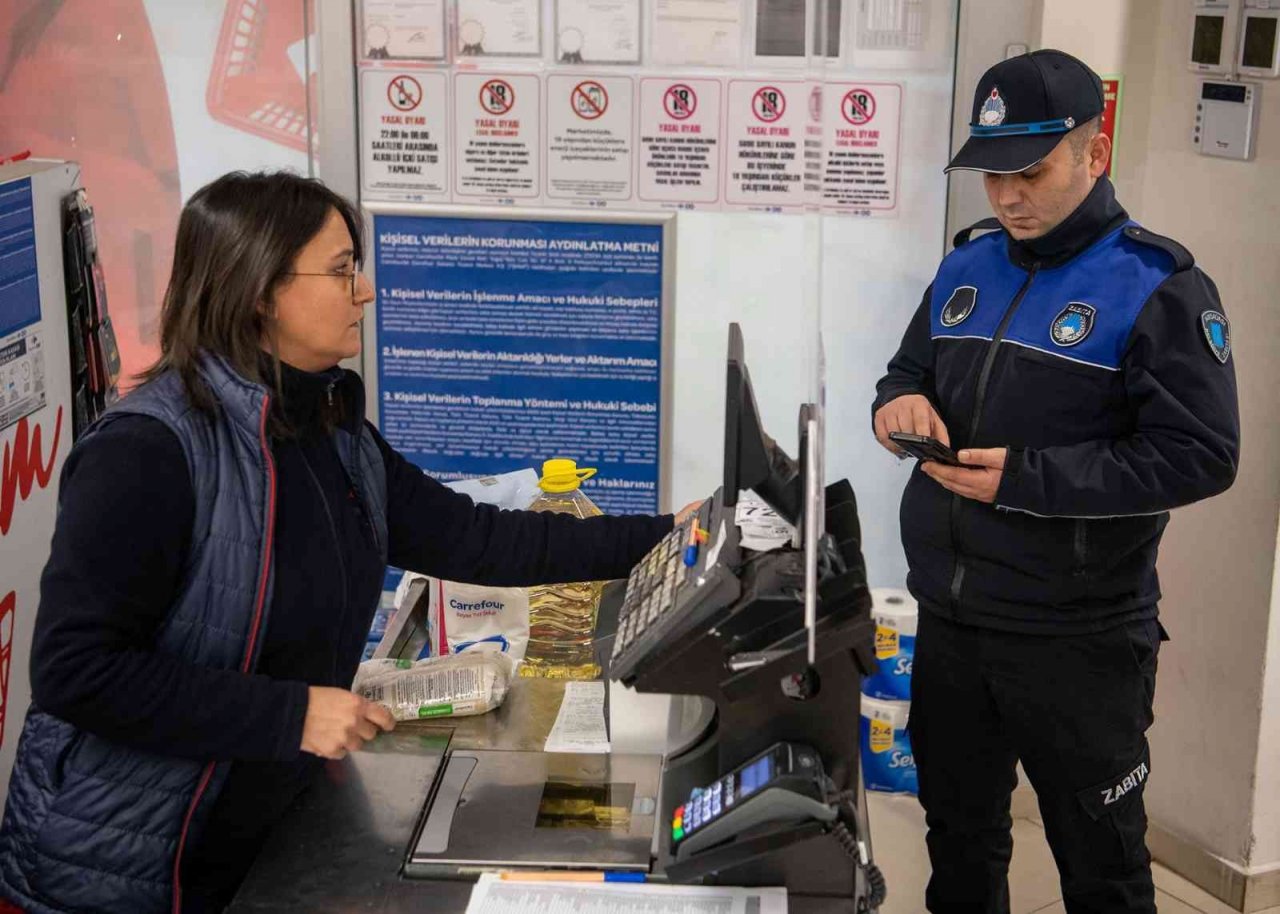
(1023, 106)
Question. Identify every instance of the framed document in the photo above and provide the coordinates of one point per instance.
(699, 33)
(402, 30)
(597, 31)
(499, 28)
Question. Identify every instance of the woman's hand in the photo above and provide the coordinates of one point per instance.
(683, 514)
(339, 722)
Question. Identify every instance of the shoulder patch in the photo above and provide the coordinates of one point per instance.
(989, 224)
(1182, 259)
(1217, 333)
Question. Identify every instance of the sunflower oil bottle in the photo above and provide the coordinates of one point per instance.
(562, 617)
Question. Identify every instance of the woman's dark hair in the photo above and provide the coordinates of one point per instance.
(237, 239)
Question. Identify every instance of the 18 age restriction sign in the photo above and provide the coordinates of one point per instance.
(768, 104)
(858, 106)
(497, 96)
(680, 101)
(589, 100)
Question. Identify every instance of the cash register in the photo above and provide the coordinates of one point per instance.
(771, 792)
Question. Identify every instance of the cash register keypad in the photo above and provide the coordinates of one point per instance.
(652, 587)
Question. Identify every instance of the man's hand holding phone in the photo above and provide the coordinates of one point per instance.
(977, 475)
(910, 413)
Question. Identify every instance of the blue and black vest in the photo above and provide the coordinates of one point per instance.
(94, 825)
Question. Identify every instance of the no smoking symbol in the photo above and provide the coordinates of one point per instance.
(680, 101)
(768, 104)
(589, 100)
(404, 93)
(858, 106)
(497, 96)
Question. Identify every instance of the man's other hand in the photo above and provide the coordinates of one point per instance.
(981, 483)
(910, 413)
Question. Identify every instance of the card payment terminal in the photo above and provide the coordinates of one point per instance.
(783, 784)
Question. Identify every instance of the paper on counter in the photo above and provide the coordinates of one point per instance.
(493, 895)
(760, 527)
(580, 726)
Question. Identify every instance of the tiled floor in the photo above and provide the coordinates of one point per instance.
(897, 831)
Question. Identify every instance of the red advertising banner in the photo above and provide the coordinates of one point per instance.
(1112, 95)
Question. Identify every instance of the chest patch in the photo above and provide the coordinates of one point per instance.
(959, 306)
(1072, 324)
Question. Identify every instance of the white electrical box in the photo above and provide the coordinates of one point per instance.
(1259, 53)
(1214, 25)
(1226, 119)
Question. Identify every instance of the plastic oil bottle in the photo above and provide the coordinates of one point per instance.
(562, 617)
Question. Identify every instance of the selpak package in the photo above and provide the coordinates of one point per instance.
(888, 764)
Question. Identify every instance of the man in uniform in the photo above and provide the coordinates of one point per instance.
(1081, 366)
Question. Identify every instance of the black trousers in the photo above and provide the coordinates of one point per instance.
(1075, 710)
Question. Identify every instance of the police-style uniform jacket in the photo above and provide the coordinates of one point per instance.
(1101, 357)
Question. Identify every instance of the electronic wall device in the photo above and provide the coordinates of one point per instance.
(1259, 49)
(1226, 119)
(1214, 25)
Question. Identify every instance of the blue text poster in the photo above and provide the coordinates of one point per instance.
(502, 343)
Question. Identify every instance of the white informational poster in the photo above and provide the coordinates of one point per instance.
(765, 162)
(862, 121)
(403, 29)
(597, 31)
(680, 141)
(404, 132)
(700, 33)
(589, 138)
(497, 121)
(508, 28)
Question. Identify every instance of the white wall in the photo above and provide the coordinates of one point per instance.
(1266, 801)
(1214, 783)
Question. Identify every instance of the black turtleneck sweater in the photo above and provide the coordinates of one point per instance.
(118, 552)
(1099, 214)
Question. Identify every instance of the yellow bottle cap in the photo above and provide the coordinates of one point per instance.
(561, 474)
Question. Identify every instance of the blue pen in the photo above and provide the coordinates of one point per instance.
(624, 876)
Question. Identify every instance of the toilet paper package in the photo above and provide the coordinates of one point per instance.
(887, 762)
(896, 615)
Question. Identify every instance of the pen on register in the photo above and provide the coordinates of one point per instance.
(575, 876)
(691, 550)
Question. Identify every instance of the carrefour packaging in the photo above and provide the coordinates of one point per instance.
(896, 616)
(435, 618)
(887, 762)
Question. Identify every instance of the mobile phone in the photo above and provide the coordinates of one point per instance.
(922, 447)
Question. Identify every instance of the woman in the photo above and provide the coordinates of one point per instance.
(218, 558)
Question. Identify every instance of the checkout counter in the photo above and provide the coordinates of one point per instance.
(740, 767)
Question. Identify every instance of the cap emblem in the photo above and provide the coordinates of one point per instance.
(993, 110)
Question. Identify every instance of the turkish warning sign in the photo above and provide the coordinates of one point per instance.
(497, 96)
(589, 139)
(590, 100)
(404, 92)
(861, 148)
(405, 135)
(680, 142)
(765, 163)
(496, 129)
